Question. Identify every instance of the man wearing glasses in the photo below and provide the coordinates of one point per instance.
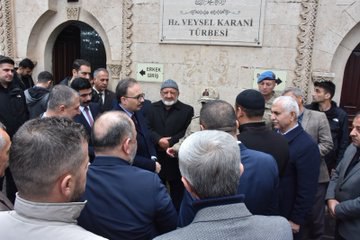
(130, 100)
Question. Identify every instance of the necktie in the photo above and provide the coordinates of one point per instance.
(88, 115)
(353, 162)
(135, 122)
(100, 98)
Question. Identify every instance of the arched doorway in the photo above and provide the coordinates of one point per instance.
(350, 97)
(77, 40)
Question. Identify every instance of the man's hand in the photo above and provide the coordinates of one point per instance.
(157, 167)
(331, 203)
(294, 227)
(164, 142)
(171, 152)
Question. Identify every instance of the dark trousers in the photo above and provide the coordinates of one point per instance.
(315, 225)
(176, 189)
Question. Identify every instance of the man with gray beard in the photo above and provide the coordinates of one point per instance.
(168, 121)
(124, 202)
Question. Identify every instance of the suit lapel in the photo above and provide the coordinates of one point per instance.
(305, 119)
(346, 165)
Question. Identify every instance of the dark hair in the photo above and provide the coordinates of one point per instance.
(26, 63)
(42, 150)
(80, 84)
(5, 59)
(251, 113)
(328, 86)
(45, 76)
(218, 115)
(122, 87)
(80, 62)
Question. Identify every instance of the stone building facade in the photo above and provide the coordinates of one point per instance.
(306, 39)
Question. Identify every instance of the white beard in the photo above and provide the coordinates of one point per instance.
(169, 103)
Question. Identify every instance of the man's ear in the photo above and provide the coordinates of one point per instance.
(74, 72)
(327, 95)
(189, 188)
(239, 112)
(122, 99)
(202, 127)
(241, 169)
(293, 115)
(126, 146)
(67, 186)
(61, 108)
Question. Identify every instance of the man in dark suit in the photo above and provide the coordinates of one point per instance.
(210, 166)
(124, 202)
(130, 99)
(299, 184)
(343, 193)
(168, 121)
(259, 182)
(88, 110)
(316, 125)
(100, 93)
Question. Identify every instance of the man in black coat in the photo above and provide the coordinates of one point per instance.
(100, 93)
(13, 110)
(168, 121)
(254, 134)
(338, 120)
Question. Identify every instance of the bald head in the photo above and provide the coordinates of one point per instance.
(4, 150)
(218, 115)
(111, 131)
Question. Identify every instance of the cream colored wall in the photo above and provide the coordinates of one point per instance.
(337, 34)
(229, 68)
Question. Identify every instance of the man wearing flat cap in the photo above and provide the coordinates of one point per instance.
(266, 84)
(168, 121)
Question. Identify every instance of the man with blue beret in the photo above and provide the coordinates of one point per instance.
(266, 84)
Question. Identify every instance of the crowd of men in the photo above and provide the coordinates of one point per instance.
(89, 163)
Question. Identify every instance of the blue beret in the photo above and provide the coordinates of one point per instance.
(268, 75)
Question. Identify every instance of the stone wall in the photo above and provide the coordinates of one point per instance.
(307, 39)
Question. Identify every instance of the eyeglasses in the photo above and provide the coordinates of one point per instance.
(138, 97)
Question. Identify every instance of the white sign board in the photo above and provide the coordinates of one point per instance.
(216, 22)
(149, 72)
